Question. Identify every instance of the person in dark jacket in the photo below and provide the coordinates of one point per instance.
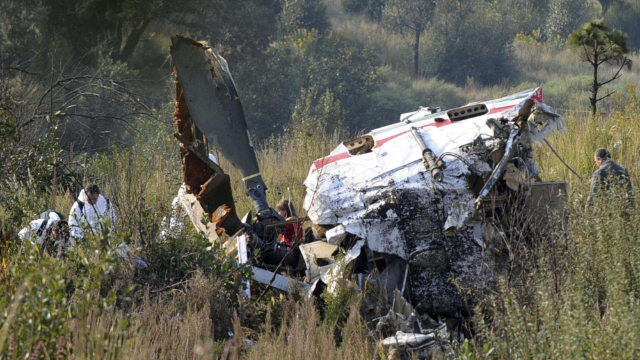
(609, 176)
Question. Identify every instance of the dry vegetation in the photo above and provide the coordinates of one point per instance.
(582, 292)
(580, 299)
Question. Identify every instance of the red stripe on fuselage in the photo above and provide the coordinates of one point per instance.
(333, 158)
(330, 159)
(501, 109)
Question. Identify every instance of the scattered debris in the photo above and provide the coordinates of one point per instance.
(433, 182)
(419, 201)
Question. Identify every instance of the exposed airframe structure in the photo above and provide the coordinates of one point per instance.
(419, 202)
(431, 189)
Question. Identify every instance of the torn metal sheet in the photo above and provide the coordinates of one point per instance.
(514, 177)
(411, 340)
(459, 214)
(191, 206)
(318, 257)
(281, 282)
(334, 274)
(386, 195)
(243, 258)
(215, 108)
(438, 185)
(336, 235)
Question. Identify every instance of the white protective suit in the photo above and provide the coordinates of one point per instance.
(91, 216)
(37, 229)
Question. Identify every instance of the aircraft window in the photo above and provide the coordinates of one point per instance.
(467, 112)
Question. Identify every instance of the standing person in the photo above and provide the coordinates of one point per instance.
(292, 231)
(91, 212)
(609, 173)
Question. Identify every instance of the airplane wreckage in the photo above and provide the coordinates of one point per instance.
(419, 202)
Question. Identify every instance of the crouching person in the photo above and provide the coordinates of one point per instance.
(39, 229)
(58, 241)
(92, 212)
(50, 232)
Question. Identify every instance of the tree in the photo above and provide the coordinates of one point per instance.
(303, 14)
(562, 16)
(370, 8)
(116, 27)
(316, 111)
(625, 16)
(307, 60)
(607, 3)
(598, 45)
(463, 45)
(410, 16)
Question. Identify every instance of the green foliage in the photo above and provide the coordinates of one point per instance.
(45, 295)
(566, 15)
(303, 14)
(480, 50)
(371, 8)
(624, 15)
(113, 26)
(313, 112)
(583, 293)
(561, 92)
(176, 259)
(28, 171)
(337, 307)
(304, 60)
(240, 30)
(597, 37)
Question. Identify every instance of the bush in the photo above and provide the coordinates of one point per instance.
(308, 60)
(479, 50)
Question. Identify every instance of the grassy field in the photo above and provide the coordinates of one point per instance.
(579, 300)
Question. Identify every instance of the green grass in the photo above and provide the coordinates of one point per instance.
(579, 298)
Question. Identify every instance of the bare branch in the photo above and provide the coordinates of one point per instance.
(617, 74)
(12, 68)
(606, 96)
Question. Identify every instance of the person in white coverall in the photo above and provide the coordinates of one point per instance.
(42, 231)
(92, 213)
(38, 229)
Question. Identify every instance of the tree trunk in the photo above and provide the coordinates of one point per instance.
(117, 42)
(595, 86)
(416, 53)
(132, 40)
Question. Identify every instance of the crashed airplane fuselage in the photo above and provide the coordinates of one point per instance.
(419, 202)
(423, 191)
